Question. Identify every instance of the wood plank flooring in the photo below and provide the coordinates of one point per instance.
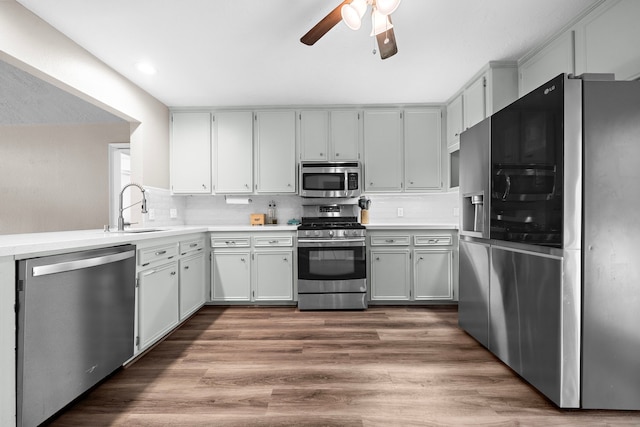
(277, 366)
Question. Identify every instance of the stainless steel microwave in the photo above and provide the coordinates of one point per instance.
(330, 179)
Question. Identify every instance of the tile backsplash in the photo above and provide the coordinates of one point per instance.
(432, 208)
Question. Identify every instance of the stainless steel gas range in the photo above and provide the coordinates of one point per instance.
(332, 264)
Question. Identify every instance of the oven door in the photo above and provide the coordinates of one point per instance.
(331, 266)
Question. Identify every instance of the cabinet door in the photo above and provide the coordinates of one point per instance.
(273, 273)
(422, 145)
(345, 135)
(390, 277)
(157, 302)
(383, 150)
(556, 58)
(192, 286)
(454, 121)
(233, 142)
(231, 276)
(190, 153)
(433, 274)
(475, 103)
(607, 41)
(276, 151)
(314, 135)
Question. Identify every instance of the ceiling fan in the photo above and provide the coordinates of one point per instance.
(351, 12)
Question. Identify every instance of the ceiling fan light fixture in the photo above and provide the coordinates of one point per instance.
(379, 23)
(387, 7)
(360, 6)
(351, 17)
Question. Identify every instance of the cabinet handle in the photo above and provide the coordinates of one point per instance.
(377, 258)
(289, 185)
(161, 252)
(230, 242)
(371, 183)
(337, 154)
(390, 240)
(272, 242)
(456, 134)
(285, 259)
(173, 273)
(411, 182)
(421, 258)
(204, 187)
(186, 267)
(242, 259)
(193, 245)
(246, 186)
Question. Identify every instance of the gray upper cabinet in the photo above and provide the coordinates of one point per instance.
(191, 153)
(608, 40)
(383, 154)
(233, 148)
(455, 123)
(422, 147)
(275, 133)
(329, 135)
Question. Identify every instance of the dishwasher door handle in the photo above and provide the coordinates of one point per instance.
(62, 267)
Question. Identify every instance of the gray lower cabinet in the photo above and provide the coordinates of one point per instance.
(157, 302)
(390, 277)
(252, 267)
(192, 280)
(412, 265)
(231, 275)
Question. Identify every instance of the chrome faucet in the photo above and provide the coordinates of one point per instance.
(121, 222)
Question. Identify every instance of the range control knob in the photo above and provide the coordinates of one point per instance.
(316, 233)
(331, 233)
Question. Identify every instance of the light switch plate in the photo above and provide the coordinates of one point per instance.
(173, 213)
(400, 212)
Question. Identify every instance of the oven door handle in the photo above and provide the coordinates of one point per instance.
(310, 243)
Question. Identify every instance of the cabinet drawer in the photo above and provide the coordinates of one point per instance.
(266, 241)
(441, 240)
(230, 242)
(399, 240)
(191, 245)
(157, 253)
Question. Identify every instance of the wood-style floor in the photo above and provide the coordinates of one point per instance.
(274, 366)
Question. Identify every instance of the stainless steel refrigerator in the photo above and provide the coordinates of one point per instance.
(549, 260)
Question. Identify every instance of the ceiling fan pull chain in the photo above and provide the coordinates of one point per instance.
(373, 25)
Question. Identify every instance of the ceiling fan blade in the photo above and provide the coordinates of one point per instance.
(389, 48)
(323, 27)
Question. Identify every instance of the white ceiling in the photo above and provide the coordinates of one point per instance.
(247, 52)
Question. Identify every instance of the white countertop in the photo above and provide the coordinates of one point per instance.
(378, 226)
(38, 244)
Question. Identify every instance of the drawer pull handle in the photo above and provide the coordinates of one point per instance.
(173, 273)
(186, 267)
(285, 259)
(242, 259)
(193, 245)
(161, 252)
(231, 243)
(273, 242)
(390, 240)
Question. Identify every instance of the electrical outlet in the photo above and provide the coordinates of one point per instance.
(456, 211)
(152, 214)
(173, 213)
(400, 212)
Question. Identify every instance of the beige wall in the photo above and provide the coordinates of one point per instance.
(31, 44)
(55, 178)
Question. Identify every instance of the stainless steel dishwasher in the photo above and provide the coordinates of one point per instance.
(75, 326)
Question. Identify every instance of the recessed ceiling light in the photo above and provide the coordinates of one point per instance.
(146, 68)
